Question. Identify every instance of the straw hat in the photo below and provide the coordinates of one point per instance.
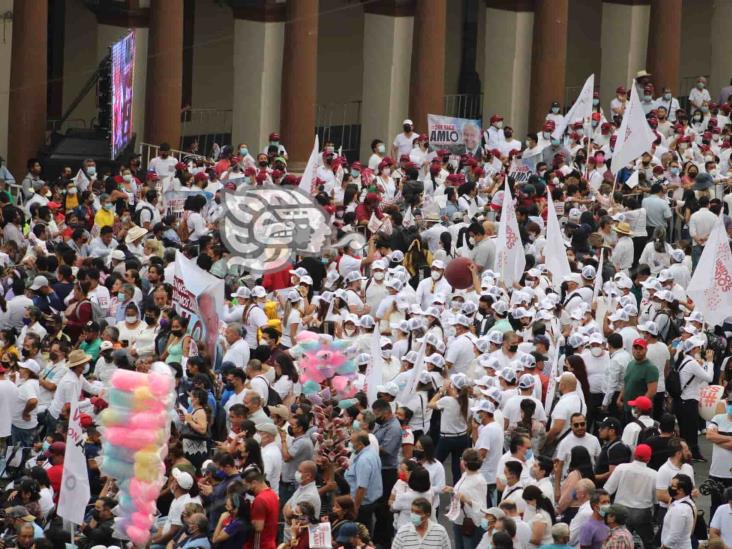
(135, 233)
(622, 228)
(77, 358)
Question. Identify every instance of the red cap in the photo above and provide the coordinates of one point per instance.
(403, 158)
(235, 159)
(496, 118)
(658, 169)
(249, 172)
(410, 166)
(640, 342)
(443, 152)
(435, 169)
(153, 176)
(577, 126)
(605, 127)
(276, 174)
(712, 123)
(85, 420)
(373, 197)
(200, 176)
(181, 166)
(621, 89)
(356, 165)
(549, 126)
(54, 205)
(643, 452)
(274, 136)
(57, 448)
(423, 137)
(261, 177)
(384, 164)
(707, 135)
(642, 402)
(3, 370)
(478, 171)
(596, 116)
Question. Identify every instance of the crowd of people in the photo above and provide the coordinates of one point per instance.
(557, 411)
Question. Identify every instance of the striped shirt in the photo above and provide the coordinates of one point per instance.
(408, 538)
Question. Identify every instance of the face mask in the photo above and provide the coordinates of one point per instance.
(355, 173)
(121, 296)
(436, 275)
(386, 172)
(71, 191)
(127, 177)
(381, 149)
(263, 163)
(349, 331)
(555, 110)
(298, 477)
(177, 333)
(499, 124)
(418, 454)
(647, 98)
(667, 96)
(26, 321)
(471, 241)
(484, 523)
(508, 135)
(512, 348)
(700, 85)
(529, 454)
(243, 151)
(712, 172)
(356, 425)
(403, 476)
(109, 207)
(729, 409)
(546, 135)
(597, 351)
(130, 319)
(378, 275)
(386, 353)
(91, 170)
(675, 171)
(595, 102)
(555, 142)
(673, 492)
(603, 510)
(683, 147)
(415, 519)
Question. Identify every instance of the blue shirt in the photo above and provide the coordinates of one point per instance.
(365, 472)
(389, 436)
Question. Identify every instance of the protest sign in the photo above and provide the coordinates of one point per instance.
(457, 135)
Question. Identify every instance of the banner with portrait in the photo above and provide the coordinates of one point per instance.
(173, 201)
(457, 135)
(198, 296)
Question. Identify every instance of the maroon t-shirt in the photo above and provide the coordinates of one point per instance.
(266, 507)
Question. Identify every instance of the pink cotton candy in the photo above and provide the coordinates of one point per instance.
(339, 383)
(143, 490)
(133, 438)
(147, 421)
(138, 536)
(127, 380)
(141, 520)
(160, 384)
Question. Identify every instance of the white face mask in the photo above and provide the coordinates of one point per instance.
(597, 351)
(298, 477)
(378, 275)
(436, 275)
(72, 191)
(499, 124)
(471, 241)
(130, 319)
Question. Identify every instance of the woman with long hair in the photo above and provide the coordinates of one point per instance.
(196, 428)
(79, 312)
(303, 516)
(453, 401)
(528, 426)
(580, 466)
(414, 482)
(576, 365)
(251, 455)
(233, 528)
(539, 515)
(424, 453)
(469, 497)
(286, 376)
(343, 511)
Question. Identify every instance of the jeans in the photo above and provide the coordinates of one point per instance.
(24, 437)
(454, 446)
(640, 521)
(384, 527)
(366, 515)
(465, 542)
(687, 413)
(696, 252)
(286, 490)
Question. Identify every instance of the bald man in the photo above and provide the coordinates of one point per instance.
(306, 491)
(569, 403)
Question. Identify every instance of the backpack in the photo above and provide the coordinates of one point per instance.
(182, 228)
(647, 431)
(273, 397)
(97, 313)
(673, 380)
(673, 327)
(138, 215)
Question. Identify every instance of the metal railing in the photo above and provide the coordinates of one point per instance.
(58, 125)
(464, 105)
(148, 151)
(341, 124)
(205, 126)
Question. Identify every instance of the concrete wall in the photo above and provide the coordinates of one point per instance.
(453, 44)
(213, 56)
(81, 57)
(340, 53)
(6, 41)
(696, 44)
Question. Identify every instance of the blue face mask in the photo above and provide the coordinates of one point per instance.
(91, 170)
(46, 445)
(121, 296)
(484, 523)
(415, 519)
(729, 409)
(109, 206)
(529, 454)
(355, 173)
(555, 142)
(675, 171)
(356, 425)
(243, 151)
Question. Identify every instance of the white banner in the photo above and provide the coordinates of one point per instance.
(457, 135)
(635, 136)
(581, 111)
(555, 253)
(711, 285)
(308, 176)
(510, 257)
(75, 491)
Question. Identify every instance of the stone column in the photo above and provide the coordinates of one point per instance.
(664, 44)
(427, 91)
(259, 36)
(164, 73)
(548, 58)
(299, 80)
(721, 65)
(27, 102)
(6, 49)
(388, 27)
(507, 77)
(623, 42)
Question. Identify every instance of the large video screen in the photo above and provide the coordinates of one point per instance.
(123, 65)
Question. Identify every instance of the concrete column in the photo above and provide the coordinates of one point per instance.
(5, 55)
(507, 77)
(427, 91)
(623, 43)
(106, 36)
(721, 65)
(164, 72)
(548, 58)
(257, 89)
(27, 103)
(664, 44)
(299, 80)
(386, 74)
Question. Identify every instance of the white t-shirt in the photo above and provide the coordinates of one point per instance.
(721, 457)
(163, 166)
(238, 354)
(564, 450)
(175, 514)
(27, 391)
(658, 354)
(254, 319)
(295, 318)
(260, 385)
(403, 143)
(632, 430)
(452, 420)
(8, 399)
(569, 403)
(460, 354)
(512, 409)
(272, 459)
(667, 471)
(490, 438)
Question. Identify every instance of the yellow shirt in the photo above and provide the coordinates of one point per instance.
(104, 218)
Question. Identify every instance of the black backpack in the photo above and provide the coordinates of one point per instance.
(138, 214)
(647, 431)
(273, 397)
(673, 379)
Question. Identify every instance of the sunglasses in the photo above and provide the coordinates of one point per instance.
(579, 424)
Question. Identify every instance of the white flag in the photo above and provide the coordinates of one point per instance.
(411, 386)
(81, 181)
(580, 111)
(635, 136)
(598, 276)
(554, 369)
(308, 176)
(408, 219)
(633, 180)
(510, 258)
(375, 370)
(711, 285)
(75, 492)
(555, 253)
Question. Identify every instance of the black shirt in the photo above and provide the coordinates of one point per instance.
(661, 451)
(612, 453)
